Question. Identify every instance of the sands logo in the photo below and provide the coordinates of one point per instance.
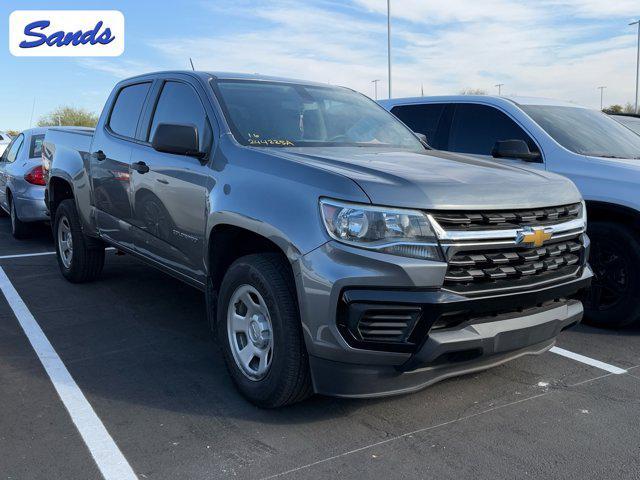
(66, 33)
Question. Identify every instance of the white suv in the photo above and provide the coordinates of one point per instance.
(599, 154)
(5, 139)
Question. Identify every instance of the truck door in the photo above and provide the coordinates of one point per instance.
(476, 128)
(169, 190)
(110, 164)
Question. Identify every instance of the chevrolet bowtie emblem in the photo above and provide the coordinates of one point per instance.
(534, 237)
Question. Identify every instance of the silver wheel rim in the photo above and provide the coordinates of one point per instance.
(250, 332)
(65, 242)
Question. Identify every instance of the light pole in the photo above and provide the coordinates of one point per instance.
(637, 22)
(375, 88)
(389, 42)
(499, 85)
(601, 94)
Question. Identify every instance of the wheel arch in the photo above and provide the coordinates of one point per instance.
(58, 189)
(228, 242)
(605, 211)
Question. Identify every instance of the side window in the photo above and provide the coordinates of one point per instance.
(179, 104)
(476, 129)
(14, 148)
(422, 119)
(127, 109)
(35, 149)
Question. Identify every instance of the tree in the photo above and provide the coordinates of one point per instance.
(629, 108)
(473, 91)
(69, 116)
(13, 133)
(613, 109)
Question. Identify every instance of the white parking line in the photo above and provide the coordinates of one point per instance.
(105, 452)
(39, 254)
(589, 361)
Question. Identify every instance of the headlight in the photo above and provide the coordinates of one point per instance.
(407, 233)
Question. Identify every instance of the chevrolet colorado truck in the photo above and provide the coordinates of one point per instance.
(338, 253)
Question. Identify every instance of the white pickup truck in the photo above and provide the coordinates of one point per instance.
(600, 155)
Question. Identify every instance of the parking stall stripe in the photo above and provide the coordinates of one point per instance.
(20, 255)
(40, 254)
(589, 361)
(105, 452)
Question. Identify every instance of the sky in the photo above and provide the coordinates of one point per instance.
(561, 49)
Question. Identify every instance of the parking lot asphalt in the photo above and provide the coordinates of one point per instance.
(137, 345)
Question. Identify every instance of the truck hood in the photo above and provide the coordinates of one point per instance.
(438, 180)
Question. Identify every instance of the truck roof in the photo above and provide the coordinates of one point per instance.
(206, 75)
(491, 99)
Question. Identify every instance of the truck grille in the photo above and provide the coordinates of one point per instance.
(485, 251)
(477, 269)
(507, 219)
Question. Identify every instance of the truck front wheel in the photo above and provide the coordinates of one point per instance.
(260, 332)
(80, 258)
(612, 301)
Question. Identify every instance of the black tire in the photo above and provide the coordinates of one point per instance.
(288, 379)
(612, 301)
(87, 260)
(19, 229)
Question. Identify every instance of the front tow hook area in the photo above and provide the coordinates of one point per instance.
(487, 338)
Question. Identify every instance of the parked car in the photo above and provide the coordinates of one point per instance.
(22, 182)
(5, 138)
(629, 120)
(601, 156)
(337, 252)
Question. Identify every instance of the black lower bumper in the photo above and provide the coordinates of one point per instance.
(458, 335)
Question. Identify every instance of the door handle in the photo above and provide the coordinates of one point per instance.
(140, 167)
(100, 156)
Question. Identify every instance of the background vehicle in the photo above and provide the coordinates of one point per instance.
(597, 153)
(4, 141)
(629, 120)
(337, 253)
(22, 182)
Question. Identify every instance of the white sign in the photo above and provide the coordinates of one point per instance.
(66, 33)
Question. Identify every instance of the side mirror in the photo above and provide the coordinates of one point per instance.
(177, 139)
(514, 149)
(423, 139)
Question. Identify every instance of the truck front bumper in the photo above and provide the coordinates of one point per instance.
(481, 332)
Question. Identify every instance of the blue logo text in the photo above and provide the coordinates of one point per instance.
(61, 39)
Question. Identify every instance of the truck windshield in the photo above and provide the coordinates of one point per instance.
(585, 131)
(276, 114)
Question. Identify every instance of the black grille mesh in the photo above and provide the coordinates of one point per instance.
(482, 268)
(507, 219)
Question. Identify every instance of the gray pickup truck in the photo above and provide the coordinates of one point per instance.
(338, 253)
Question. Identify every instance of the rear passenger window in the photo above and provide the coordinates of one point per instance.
(179, 104)
(477, 128)
(421, 119)
(35, 149)
(127, 109)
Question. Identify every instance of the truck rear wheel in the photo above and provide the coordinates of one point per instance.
(612, 301)
(80, 258)
(259, 330)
